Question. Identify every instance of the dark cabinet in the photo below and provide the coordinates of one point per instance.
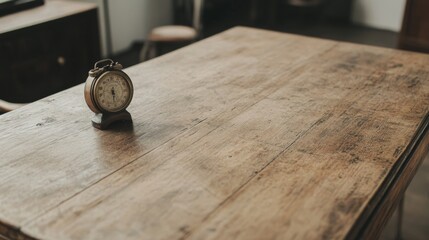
(415, 27)
(45, 58)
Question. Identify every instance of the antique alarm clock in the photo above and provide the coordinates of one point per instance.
(108, 92)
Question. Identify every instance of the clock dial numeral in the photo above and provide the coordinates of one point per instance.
(113, 93)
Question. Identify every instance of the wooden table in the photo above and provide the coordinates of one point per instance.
(249, 134)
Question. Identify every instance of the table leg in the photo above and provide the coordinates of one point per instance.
(400, 219)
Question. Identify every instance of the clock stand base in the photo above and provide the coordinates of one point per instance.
(104, 120)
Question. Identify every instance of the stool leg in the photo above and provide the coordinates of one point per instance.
(153, 53)
(400, 219)
(144, 53)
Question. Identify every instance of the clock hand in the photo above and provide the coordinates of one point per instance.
(113, 93)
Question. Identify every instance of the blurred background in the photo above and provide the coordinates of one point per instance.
(375, 22)
(49, 45)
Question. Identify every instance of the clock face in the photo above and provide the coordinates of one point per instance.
(112, 92)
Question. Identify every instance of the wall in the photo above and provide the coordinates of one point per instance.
(381, 14)
(131, 20)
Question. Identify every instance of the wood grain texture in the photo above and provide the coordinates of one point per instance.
(249, 134)
(402, 175)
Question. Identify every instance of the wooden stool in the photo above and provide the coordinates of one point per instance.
(7, 106)
(173, 33)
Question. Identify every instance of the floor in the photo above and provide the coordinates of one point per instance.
(416, 209)
(339, 32)
(416, 206)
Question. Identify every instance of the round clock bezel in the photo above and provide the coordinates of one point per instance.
(96, 107)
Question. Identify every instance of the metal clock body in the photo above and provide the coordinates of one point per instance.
(108, 89)
(108, 92)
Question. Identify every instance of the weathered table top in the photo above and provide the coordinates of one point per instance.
(249, 134)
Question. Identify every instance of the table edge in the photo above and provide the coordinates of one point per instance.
(381, 206)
